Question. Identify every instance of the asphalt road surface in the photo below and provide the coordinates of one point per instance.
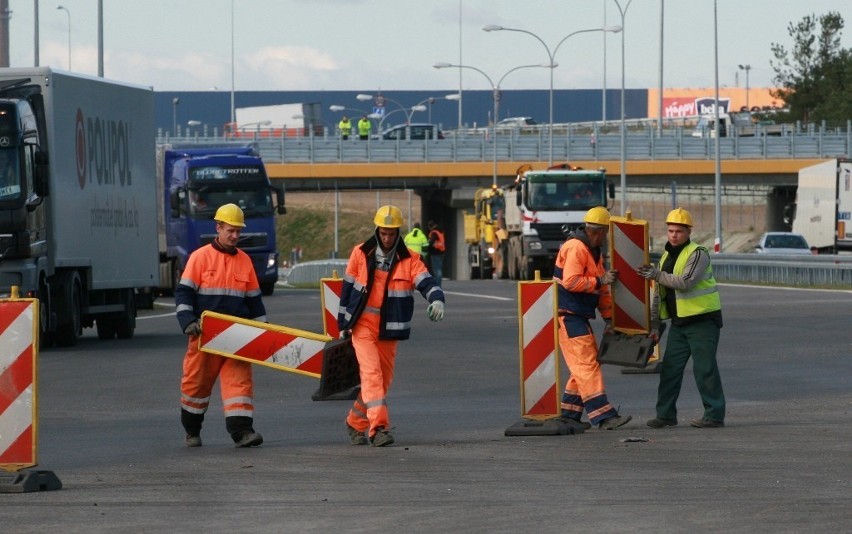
(110, 430)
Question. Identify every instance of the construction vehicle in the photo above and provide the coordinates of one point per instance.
(192, 183)
(78, 216)
(516, 230)
(823, 209)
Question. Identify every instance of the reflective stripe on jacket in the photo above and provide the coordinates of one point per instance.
(406, 274)
(703, 297)
(577, 274)
(220, 281)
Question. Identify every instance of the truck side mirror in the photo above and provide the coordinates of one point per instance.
(279, 200)
(518, 197)
(174, 203)
(41, 174)
(611, 189)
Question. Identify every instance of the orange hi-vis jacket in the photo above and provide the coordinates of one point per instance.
(220, 281)
(407, 273)
(578, 274)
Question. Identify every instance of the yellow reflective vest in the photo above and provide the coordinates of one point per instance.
(703, 297)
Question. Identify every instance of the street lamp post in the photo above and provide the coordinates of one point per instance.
(67, 12)
(431, 100)
(495, 95)
(175, 102)
(552, 65)
(623, 13)
(746, 68)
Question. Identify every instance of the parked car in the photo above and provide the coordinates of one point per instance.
(782, 243)
(413, 131)
(516, 122)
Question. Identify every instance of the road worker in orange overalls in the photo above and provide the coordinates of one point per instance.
(583, 288)
(376, 307)
(218, 277)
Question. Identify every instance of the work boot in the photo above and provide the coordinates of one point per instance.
(356, 437)
(659, 422)
(382, 438)
(706, 423)
(615, 422)
(249, 439)
(193, 441)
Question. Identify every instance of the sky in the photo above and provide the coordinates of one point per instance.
(186, 45)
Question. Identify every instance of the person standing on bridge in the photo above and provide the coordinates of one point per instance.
(686, 292)
(345, 127)
(376, 307)
(582, 288)
(218, 277)
(364, 127)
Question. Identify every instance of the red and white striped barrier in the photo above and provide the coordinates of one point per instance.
(537, 342)
(631, 300)
(279, 347)
(330, 296)
(18, 406)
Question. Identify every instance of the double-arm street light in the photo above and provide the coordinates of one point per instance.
(552, 65)
(495, 95)
(431, 100)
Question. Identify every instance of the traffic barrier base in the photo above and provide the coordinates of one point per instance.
(339, 379)
(29, 481)
(618, 348)
(556, 426)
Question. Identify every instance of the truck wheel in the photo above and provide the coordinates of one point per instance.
(502, 267)
(69, 310)
(46, 338)
(105, 327)
(267, 288)
(125, 322)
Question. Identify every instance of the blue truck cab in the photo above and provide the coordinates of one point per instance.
(195, 182)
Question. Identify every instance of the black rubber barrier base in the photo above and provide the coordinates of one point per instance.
(547, 427)
(28, 481)
(653, 369)
(340, 379)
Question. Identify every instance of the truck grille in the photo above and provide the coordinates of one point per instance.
(549, 231)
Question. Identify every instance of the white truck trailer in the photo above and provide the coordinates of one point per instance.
(823, 209)
(78, 216)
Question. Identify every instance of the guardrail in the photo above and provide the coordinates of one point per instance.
(572, 145)
(823, 271)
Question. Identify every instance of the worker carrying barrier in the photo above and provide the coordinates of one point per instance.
(18, 397)
(279, 347)
(539, 362)
(628, 344)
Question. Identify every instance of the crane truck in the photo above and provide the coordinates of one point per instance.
(78, 227)
(822, 212)
(193, 183)
(517, 229)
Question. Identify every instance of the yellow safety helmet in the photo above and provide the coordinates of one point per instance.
(388, 217)
(230, 214)
(597, 215)
(679, 216)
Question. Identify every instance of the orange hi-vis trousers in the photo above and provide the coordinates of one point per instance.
(375, 362)
(376, 359)
(200, 371)
(585, 388)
